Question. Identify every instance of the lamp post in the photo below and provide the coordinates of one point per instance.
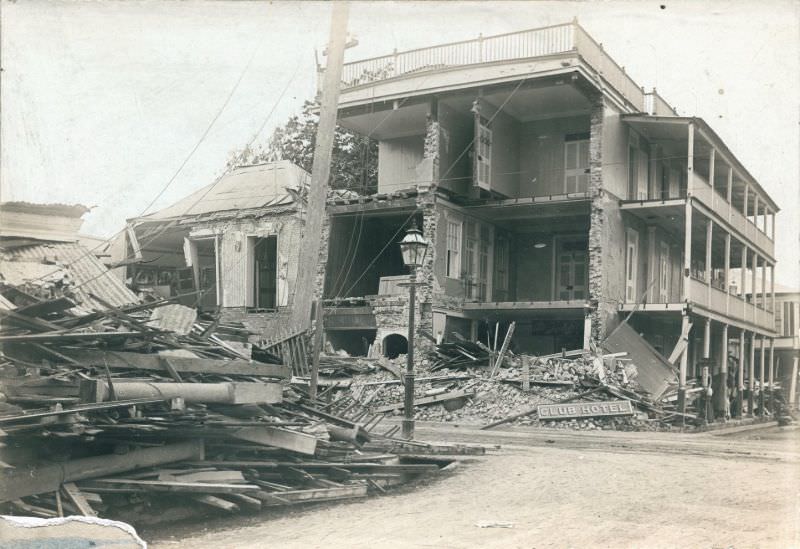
(413, 247)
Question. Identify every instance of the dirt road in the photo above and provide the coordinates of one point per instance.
(557, 489)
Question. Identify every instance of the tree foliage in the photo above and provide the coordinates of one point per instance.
(354, 162)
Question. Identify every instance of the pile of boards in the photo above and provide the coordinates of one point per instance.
(130, 412)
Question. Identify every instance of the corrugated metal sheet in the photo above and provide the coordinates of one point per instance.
(85, 273)
(244, 188)
(654, 372)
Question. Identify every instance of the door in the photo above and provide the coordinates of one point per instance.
(664, 278)
(572, 279)
(266, 272)
(576, 166)
(470, 257)
(631, 265)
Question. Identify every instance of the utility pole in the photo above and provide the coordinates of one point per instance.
(320, 172)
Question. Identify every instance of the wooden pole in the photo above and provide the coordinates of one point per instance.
(320, 173)
(27, 481)
(318, 336)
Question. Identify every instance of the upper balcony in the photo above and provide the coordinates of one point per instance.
(670, 156)
(552, 50)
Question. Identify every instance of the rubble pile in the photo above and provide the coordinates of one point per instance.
(131, 411)
(455, 384)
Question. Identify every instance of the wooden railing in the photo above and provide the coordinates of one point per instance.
(720, 205)
(553, 40)
(729, 304)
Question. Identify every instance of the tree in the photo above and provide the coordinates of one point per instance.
(355, 157)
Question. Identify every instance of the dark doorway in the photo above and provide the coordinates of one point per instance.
(266, 272)
(395, 345)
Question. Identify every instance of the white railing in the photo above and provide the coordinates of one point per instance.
(557, 39)
(720, 205)
(728, 304)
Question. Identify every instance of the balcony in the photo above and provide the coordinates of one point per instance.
(747, 230)
(547, 42)
(718, 301)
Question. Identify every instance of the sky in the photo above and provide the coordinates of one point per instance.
(128, 106)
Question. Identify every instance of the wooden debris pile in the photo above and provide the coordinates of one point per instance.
(135, 412)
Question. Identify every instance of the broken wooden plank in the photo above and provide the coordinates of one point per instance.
(134, 486)
(76, 497)
(76, 336)
(120, 360)
(82, 408)
(175, 318)
(314, 494)
(278, 438)
(424, 401)
(28, 481)
(503, 349)
(217, 502)
(46, 307)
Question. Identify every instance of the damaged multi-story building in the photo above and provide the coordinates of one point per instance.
(554, 192)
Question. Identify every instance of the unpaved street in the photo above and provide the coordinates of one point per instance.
(559, 489)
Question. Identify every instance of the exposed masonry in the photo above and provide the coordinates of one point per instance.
(596, 218)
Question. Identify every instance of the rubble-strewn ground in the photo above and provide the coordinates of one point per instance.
(498, 397)
(561, 489)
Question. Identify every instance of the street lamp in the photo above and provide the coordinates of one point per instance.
(413, 247)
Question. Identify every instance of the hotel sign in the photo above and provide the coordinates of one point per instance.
(585, 409)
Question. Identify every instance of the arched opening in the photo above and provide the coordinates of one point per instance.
(394, 345)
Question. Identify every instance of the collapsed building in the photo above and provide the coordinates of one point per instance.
(554, 192)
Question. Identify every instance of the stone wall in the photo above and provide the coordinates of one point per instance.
(596, 223)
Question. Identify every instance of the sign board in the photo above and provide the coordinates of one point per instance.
(585, 409)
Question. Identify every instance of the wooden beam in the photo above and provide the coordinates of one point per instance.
(424, 401)
(133, 485)
(279, 438)
(28, 481)
(76, 497)
(120, 360)
(320, 172)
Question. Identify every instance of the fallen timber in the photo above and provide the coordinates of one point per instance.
(186, 419)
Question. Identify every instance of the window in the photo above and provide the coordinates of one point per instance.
(484, 160)
(664, 273)
(576, 166)
(631, 265)
(453, 267)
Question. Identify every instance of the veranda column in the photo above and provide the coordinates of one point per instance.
(740, 376)
(761, 363)
(751, 383)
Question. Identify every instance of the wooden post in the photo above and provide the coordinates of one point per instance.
(687, 229)
(723, 374)
(709, 242)
(772, 375)
(707, 339)
(793, 384)
(318, 339)
(753, 293)
(751, 383)
(761, 380)
(682, 369)
(320, 173)
(740, 376)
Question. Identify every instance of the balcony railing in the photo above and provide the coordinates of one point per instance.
(719, 205)
(541, 42)
(729, 304)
